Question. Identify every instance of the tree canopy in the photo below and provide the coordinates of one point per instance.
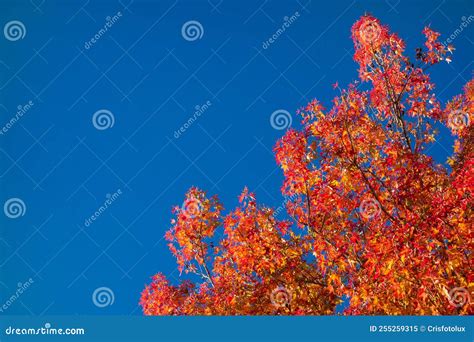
(371, 218)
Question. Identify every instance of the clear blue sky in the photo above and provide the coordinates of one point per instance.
(151, 79)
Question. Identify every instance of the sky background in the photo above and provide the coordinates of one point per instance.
(151, 79)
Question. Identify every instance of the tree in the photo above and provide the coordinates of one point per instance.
(372, 218)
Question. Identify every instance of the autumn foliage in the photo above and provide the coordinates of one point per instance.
(372, 224)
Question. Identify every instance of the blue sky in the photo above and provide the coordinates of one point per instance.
(143, 72)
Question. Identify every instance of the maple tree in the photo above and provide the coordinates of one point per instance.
(372, 219)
